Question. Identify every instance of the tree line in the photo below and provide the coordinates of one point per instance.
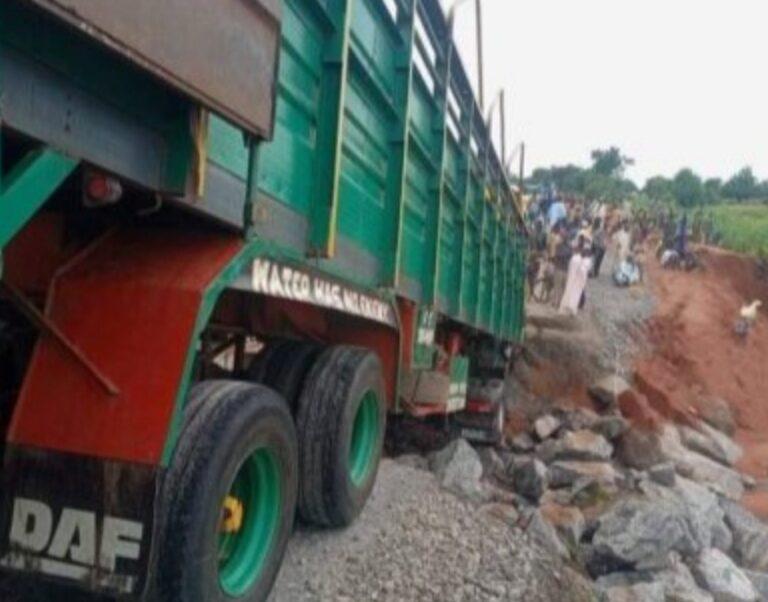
(605, 180)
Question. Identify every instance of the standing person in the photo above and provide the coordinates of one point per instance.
(670, 228)
(537, 255)
(561, 257)
(576, 282)
(598, 245)
(622, 242)
(556, 212)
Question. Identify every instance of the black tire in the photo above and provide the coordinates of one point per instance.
(340, 382)
(285, 367)
(226, 424)
(259, 368)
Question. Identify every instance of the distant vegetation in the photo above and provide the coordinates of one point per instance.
(743, 228)
(605, 181)
(688, 189)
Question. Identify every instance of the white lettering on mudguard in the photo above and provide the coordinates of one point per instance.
(276, 280)
(73, 548)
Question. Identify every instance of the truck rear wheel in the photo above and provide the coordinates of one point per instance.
(230, 496)
(284, 368)
(340, 422)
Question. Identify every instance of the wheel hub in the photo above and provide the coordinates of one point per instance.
(250, 519)
(232, 515)
(365, 439)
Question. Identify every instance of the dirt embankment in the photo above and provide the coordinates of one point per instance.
(696, 356)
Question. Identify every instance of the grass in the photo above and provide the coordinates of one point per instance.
(744, 228)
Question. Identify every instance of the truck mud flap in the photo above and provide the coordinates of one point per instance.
(77, 520)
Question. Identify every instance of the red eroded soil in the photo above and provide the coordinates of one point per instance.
(697, 355)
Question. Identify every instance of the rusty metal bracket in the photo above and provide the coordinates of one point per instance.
(41, 321)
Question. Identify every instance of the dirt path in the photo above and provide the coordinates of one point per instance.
(696, 355)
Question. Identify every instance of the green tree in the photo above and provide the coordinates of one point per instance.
(610, 162)
(742, 187)
(713, 190)
(659, 189)
(688, 188)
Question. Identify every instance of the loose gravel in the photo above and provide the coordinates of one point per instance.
(620, 315)
(415, 541)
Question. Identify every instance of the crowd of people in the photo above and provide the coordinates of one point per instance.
(570, 242)
(573, 240)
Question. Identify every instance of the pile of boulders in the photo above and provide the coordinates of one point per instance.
(649, 512)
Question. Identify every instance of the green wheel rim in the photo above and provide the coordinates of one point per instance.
(243, 553)
(365, 439)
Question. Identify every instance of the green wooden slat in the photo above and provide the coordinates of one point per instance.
(466, 143)
(330, 134)
(440, 127)
(401, 139)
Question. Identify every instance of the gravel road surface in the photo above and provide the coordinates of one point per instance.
(414, 541)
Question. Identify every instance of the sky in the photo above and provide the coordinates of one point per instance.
(673, 83)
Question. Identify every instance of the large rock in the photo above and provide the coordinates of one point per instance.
(611, 427)
(565, 474)
(695, 466)
(584, 446)
(579, 445)
(652, 591)
(522, 443)
(546, 426)
(663, 474)
(531, 479)
(567, 520)
(629, 587)
(458, 469)
(493, 465)
(580, 419)
(716, 411)
(641, 533)
(750, 537)
(723, 579)
(704, 514)
(699, 507)
(680, 586)
(760, 581)
(730, 450)
(711, 443)
(640, 449)
(589, 493)
(606, 391)
(545, 535)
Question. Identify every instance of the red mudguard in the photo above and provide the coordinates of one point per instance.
(130, 303)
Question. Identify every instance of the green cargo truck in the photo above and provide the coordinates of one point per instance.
(235, 237)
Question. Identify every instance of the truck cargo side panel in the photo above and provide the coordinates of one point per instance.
(286, 164)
